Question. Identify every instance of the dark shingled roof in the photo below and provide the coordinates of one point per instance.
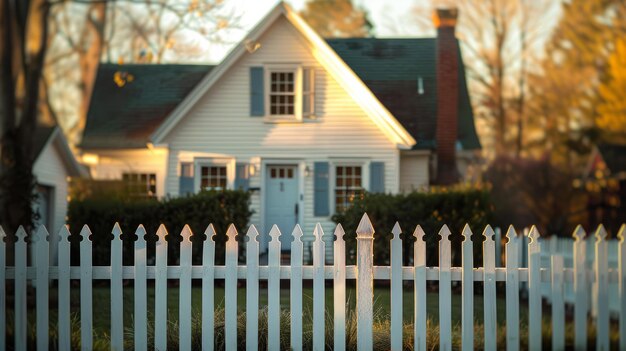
(614, 155)
(391, 69)
(124, 116)
(42, 134)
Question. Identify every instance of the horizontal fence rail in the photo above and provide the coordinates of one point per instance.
(532, 264)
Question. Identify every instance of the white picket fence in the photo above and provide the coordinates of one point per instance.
(364, 272)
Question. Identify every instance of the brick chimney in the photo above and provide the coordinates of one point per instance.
(447, 95)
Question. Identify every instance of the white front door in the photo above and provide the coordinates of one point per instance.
(281, 201)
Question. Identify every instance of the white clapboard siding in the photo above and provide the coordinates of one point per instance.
(512, 291)
(558, 276)
(419, 281)
(86, 296)
(319, 319)
(534, 290)
(467, 294)
(445, 290)
(208, 289)
(273, 291)
(396, 288)
(252, 289)
(184, 291)
(339, 290)
(140, 315)
(42, 262)
(160, 290)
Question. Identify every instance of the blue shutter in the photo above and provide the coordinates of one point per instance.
(377, 177)
(242, 176)
(321, 206)
(257, 98)
(185, 182)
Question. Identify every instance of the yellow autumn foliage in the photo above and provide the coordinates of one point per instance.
(612, 109)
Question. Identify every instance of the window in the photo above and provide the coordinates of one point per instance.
(282, 93)
(282, 172)
(140, 184)
(213, 177)
(348, 185)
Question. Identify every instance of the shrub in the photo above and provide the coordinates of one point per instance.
(218, 207)
(431, 210)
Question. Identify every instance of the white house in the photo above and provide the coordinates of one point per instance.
(301, 122)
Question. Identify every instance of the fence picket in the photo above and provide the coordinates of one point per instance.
(396, 288)
(296, 288)
(230, 290)
(184, 291)
(419, 294)
(558, 307)
(339, 289)
(160, 290)
(467, 308)
(602, 294)
(64, 289)
(86, 302)
(621, 235)
(319, 308)
(489, 283)
(3, 309)
(252, 289)
(42, 262)
(365, 277)
(117, 295)
(581, 288)
(534, 290)
(512, 290)
(20, 289)
(273, 291)
(445, 290)
(208, 292)
(140, 315)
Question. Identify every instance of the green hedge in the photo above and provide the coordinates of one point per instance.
(218, 207)
(453, 206)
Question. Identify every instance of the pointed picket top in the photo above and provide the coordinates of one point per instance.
(396, 231)
(445, 233)
(85, 233)
(231, 233)
(274, 233)
(418, 233)
(186, 233)
(365, 228)
(2, 234)
(210, 232)
(488, 233)
(21, 234)
(339, 232)
(511, 233)
(161, 233)
(579, 233)
(534, 235)
(253, 234)
(297, 233)
(40, 234)
(467, 233)
(318, 232)
(621, 233)
(116, 231)
(141, 233)
(601, 233)
(64, 233)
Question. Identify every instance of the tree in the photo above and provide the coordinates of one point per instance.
(336, 19)
(612, 108)
(24, 33)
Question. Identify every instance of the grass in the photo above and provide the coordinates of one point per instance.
(381, 327)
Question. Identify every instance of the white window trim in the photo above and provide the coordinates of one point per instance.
(199, 162)
(365, 176)
(297, 70)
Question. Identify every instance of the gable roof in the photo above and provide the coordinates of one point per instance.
(130, 101)
(392, 68)
(326, 56)
(52, 136)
